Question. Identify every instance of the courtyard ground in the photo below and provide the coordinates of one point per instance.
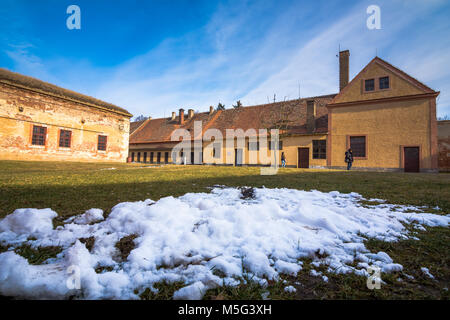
(72, 188)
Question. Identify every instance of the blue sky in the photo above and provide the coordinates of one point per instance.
(154, 57)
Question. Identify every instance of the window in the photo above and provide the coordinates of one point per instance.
(39, 134)
(216, 150)
(151, 157)
(253, 145)
(64, 138)
(280, 145)
(369, 85)
(358, 145)
(102, 143)
(145, 157)
(139, 157)
(319, 149)
(166, 157)
(384, 82)
(132, 157)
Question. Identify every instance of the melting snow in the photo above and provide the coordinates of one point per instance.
(192, 237)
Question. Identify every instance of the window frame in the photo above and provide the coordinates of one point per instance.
(43, 135)
(105, 143)
(366, 145)
(379, 82)
(374, 84)
(317, 156)
(280, 145)
(61, 140)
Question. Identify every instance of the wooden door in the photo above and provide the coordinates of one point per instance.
(411, 156)
(303, 157)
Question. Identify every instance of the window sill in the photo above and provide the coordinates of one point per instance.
(37, 146)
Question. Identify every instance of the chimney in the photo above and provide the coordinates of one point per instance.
(310, 116)
(343, 68)
(190, 113)
(211, 110)
(181, 120)
(173, 116)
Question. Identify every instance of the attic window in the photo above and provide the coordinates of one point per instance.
(369, 85)
(384, 83)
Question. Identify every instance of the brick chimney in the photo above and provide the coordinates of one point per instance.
(310, 116)
(181, 120)
(190, 113)
(211, 110)
(343, 68)
(174, 115)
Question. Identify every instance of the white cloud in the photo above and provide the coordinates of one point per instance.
(252, 51)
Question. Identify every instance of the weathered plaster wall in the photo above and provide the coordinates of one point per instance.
(20, 109)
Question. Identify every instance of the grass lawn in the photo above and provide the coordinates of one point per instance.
(71, 188)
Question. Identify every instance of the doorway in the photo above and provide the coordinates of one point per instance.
(411, 159)
(303, 157)
(237, 157)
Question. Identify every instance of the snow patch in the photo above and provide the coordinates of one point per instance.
(203, 240)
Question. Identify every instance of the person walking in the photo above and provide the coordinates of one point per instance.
(283, 160)
(349, 158)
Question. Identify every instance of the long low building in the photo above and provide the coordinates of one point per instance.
(387, 117)
(41, 121)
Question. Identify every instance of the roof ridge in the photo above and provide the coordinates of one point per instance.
(404, 74)
(27, 82)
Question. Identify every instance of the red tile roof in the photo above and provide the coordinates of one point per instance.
(288, 116)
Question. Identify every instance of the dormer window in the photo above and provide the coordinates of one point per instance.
(369, 85)
(384, 83)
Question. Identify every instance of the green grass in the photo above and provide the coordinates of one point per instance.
(71, 188)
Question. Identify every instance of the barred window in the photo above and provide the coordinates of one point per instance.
(65, 137)
(39, 134)
(369, 85)
(384, 83)
(358, 146)
(319, 149)
(102, 143)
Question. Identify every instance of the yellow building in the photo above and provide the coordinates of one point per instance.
(387, 117)
(40, 121)
(444, 145)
